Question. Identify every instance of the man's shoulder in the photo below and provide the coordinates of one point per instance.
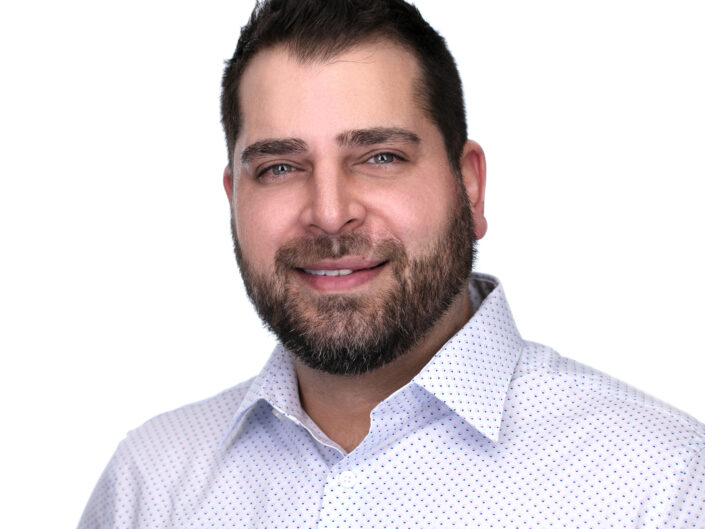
(143, 476)
(200, 425)
(581, 396)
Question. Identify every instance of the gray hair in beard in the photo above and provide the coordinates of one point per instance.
(352, 334)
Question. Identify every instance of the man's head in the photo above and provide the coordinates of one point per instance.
(352, 223)
(316, 30)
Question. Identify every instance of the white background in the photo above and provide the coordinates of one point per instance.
(119, 294)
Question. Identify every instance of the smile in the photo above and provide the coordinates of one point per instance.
(329, 273)
(337, 272)
(341, 278)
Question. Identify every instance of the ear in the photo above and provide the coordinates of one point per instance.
(228, 183)
(472, 169)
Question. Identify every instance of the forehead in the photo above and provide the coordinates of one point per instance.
(370, 85)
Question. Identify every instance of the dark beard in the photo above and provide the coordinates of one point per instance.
(352, 334)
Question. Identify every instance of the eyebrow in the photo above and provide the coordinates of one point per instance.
(272, 147)
(376, 135)
(359, 137)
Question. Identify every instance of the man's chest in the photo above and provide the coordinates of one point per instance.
(439, 474)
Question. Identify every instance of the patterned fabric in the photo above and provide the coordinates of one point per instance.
(495, 432)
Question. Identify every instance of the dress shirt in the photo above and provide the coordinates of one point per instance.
(494, 432)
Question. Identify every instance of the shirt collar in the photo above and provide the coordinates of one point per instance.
(470, 374)
(277, 385)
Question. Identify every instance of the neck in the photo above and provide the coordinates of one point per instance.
(341, 404)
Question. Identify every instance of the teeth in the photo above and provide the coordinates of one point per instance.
(330, 273)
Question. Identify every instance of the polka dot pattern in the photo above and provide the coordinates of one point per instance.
(495, 432)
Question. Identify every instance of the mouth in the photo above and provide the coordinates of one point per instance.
(340, 276)
(338, 272)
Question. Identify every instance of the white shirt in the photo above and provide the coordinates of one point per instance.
(495, 432)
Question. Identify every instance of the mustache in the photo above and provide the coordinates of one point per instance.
(304, 251)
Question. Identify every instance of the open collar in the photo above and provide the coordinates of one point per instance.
(277, 385)
(470, 374)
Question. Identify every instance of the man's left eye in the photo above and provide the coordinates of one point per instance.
(383, 158)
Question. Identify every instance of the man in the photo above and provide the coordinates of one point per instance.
(401, 394)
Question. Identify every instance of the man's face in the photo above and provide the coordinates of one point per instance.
(352, 233)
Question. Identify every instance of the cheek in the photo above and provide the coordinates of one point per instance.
(261, 228)
(417, 216)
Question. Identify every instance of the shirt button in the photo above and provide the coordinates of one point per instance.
(347, 479)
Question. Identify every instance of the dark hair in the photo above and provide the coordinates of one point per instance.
(322, 29)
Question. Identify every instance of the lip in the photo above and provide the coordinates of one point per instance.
(347, 263)
(364, 271)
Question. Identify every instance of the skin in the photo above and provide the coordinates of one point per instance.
(330, 186)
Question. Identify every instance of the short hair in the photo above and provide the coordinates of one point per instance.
(322, 29)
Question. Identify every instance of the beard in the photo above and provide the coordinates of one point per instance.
(351, 334)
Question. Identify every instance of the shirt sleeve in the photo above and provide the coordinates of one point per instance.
(689, 499)
(113, 503)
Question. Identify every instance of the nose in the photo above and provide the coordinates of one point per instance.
(333, 206)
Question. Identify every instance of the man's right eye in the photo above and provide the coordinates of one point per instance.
(275, 171)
